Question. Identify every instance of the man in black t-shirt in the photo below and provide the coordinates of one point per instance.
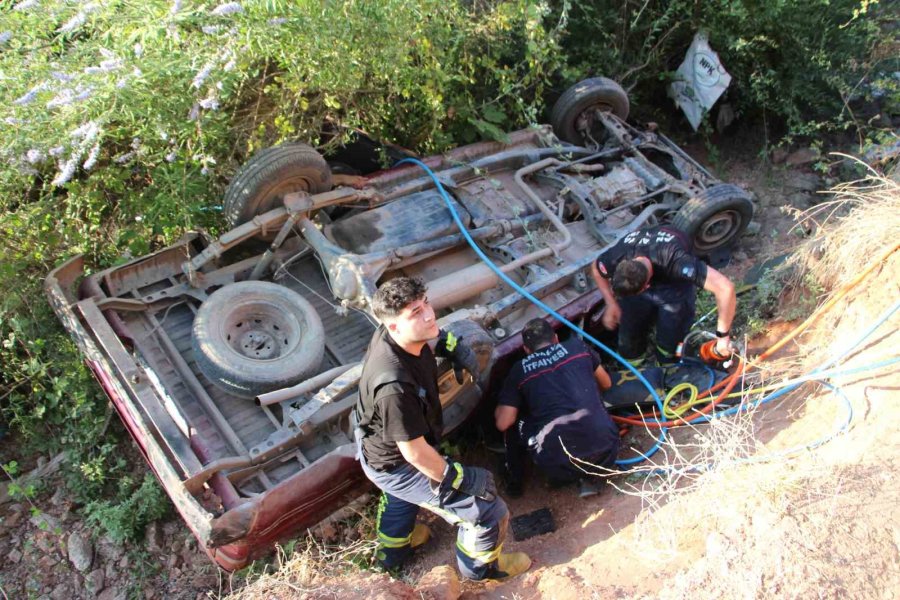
(399, 424)
(550, 405)
(650, 276)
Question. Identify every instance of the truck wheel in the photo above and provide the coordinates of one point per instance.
(261, 184)
(254, 337)
(573, 114)
(715, 218)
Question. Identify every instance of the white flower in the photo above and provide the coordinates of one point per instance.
(29, 97)
(211, 29)
(92, 158)
(12, 121)
(55, 151)
(204, 171)
(61, 99)
(138, 50)
(210, 103)
(111, 64)
(34, 156)
(229, 65)
(201, 76)
(227, 9)
(25, 5)
(60, 76)
(137, 72)
(66, 171)
(195, 112)
(136, 143)
(87, 132)
(171, 156)
(176, 6)
(124, 158)
(5, 37)
(278, 21)
(120, 84)
(73, 23)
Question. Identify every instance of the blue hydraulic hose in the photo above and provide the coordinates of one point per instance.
(506, 279)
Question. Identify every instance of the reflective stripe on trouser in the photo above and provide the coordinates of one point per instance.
(670, 307)
(482, 524)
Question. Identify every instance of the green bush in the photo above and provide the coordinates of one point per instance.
(123, 121)
(794, 64)
(124, 516)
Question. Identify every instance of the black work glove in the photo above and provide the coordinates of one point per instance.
(461, 355)
(472, 481)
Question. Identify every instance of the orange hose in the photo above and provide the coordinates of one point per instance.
(729, 382)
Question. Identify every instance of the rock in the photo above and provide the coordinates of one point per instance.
(739, 256)
(153, 537)
(753, 228)
(173, 561)
(46, 563)
(12, 520)
(109, 550)
(800, 200)
(779, 155)
(205, 581)
(14, 556)
(94, 581)
(61, 592)
(59, 497)
(807, 182)
(804, 156)
(440, 583)
(45, 522)
(81, 552)
(112, 593)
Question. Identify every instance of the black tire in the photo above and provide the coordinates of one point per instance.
(578, 103)
(254, 337)
(261, 184)
(715, 218)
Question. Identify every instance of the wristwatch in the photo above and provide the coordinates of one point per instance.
(722, 334)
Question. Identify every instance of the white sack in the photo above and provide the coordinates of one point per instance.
(699, 81)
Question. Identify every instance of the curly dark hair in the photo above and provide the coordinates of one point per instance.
(537, 333)
(629, 278)
(396, 294)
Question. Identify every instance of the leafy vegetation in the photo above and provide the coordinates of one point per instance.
(124, 120)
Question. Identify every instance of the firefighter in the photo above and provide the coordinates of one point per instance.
(399, 426)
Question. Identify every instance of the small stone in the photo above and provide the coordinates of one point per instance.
(94, 581)
(440, 583)
(61, 592)
(149, 593)
(804, 156)
(739, 256)
(14, 556)
(753, 228)
(800, 200)
(153, 537)
(806, 182)
(46, 563)
(45, 522)
(173, 561)
(12, 520)
(81, 552)
(328, 531)
(112, 593)
(779, 155)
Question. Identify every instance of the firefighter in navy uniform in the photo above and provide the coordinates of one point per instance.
(550, 408)
(399, 425)
(650, 276)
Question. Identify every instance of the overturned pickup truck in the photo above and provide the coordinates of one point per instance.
(233, 361)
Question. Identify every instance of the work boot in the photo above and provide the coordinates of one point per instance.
(511, 564)
(421, 533)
